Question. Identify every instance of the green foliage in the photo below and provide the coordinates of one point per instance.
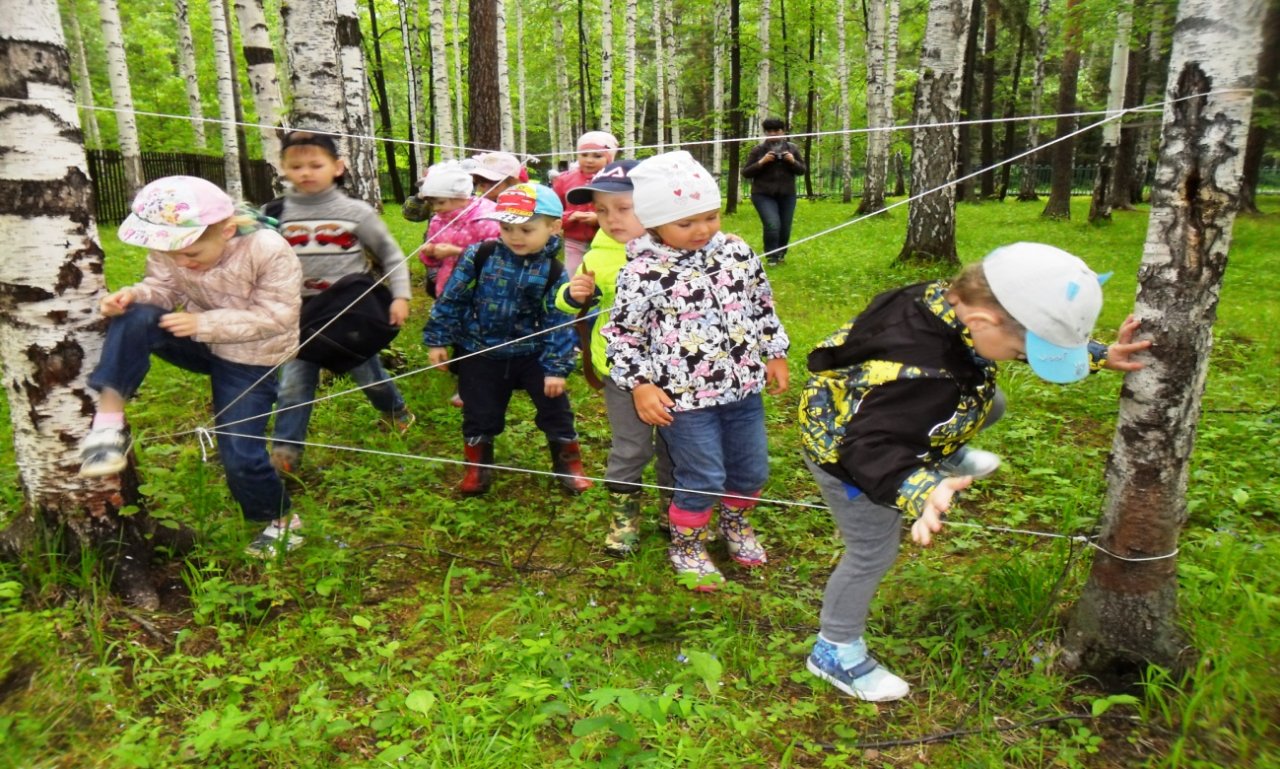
(417, 629)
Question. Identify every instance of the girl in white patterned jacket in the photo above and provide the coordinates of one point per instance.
(694, 337)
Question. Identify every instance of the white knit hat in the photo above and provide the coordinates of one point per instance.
(447, 180)
(599, 141)
(672, 186)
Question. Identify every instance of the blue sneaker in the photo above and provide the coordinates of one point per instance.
(850, 669)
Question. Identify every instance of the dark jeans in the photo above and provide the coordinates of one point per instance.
(776, 213)
(486, 384)
(126, 359)
(298, 382)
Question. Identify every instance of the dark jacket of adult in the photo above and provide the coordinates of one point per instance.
(777, 177)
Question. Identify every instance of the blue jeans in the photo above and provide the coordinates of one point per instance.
(298, 382)
(718, 449)
(243, 395)
(776, 213)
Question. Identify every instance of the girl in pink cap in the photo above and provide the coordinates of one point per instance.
(596, 149)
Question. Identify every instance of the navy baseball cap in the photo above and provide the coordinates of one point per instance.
(615, 177)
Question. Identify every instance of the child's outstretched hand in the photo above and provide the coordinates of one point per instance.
(777, 375)
(582, 286)
(438, 356)
(938, 503)
(446, 250)
(399, 312)
(1120, 354)
(180, 324)
(115, 304)
(651, 403)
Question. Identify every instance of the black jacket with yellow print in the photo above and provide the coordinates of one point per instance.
(894, 391)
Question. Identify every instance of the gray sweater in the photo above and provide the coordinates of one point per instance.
(330, 233)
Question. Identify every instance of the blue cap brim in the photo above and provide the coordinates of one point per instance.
(579, 195)
(1052, 363)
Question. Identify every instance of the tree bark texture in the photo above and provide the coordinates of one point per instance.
(225, 65)
(84, 84)
(762, 67)
(1063, 152)
(629, 78)
(187, 68)
(122, 95)
(264, 77)
(931, 219)
(362, 163)
(1122, 178)
(315, 75)
(1027, 190)
(508, 132)
(659, 76)
(51, 333)
(407, 39)
(811, 99)
(846, 117)
(384, 108)
(1100, 205)
(440, 82)
(1126, 617)
(717, 89)
(459, 41)
(485, 126)
(520, 77)
(876, 172)
(674, 111)
(560, 104)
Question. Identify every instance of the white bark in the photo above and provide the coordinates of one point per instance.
(362, 160)
(440, 85)
(877, 167)
(762, 69)
(846, 117)
(84, 83)
(121, 95)
(407, 36)
(564, 111)
(187, 67)
(629, 79)
(264, 79)
(606, 65)
(459, 114)
(673, 80)
(659, 75)
(1027, 190)
(717, 89)
(1104, 179)
(224, 66)
(504, 79)
(891, 64)
(520, 79)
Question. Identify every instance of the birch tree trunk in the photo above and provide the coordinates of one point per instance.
(986, 133)
(717, 90)
(629, 78)
(51, 333)
(931, 219)
(440, 86)
(84, 84)
(1265, 100)
(121, 95)
(520, 78)
(264, 79)
(877, 169)
(891, 62)
(1142, 152)
(507, 124)
(315, 76)
(407, 36)
(762, 68)
(384, 109)
(459, 114)
(225, 68)
(362, 160)
(673, 79)
(660, 76)
(846, 118)
(1027, 190)
(1063, 152)
(187, 67)
(1127, 615)
(484, 113)
(1100, 206)
(606, 65)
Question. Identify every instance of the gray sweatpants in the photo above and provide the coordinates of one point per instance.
(633, 445)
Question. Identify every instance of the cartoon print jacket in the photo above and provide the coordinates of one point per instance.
(698, 324)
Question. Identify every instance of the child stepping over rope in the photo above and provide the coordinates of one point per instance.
(898, 392)
(493, 312)
(694, 338)
(220, 297)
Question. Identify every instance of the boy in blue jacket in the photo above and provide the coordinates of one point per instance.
(499, 298)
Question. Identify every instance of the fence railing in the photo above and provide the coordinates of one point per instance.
(111, 192)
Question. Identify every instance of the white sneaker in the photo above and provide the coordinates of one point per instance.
(104, 451)
(967, 461)
(852, 671)
(276, 538)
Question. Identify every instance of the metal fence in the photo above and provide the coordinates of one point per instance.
(111, 192)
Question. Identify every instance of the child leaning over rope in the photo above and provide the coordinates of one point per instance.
(897, 393)
(695, 339)
(220, 297)
(495, 312)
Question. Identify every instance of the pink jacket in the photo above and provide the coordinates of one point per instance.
(459, 228)
(246, 305)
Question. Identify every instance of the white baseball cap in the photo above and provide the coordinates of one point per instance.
(1056, 297)
(447, 180)
(670, 187)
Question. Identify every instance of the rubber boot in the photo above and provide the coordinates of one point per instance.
(566, 462)
(739, 537)
(477, 479)
(624, 524)
(688, 548)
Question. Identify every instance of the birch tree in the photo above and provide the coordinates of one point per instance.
(659, 75)
(187, 68)
(717, 89)
(1155, 55)
(264, 79)
(121, 95)
(1100, 206)
(606, 65)
(459, 39)
(672, 64)
(560, 102)
(1027, 190)
(520, 78)
(362, 159)
(931, 219)
(1126, 617)
(1063, 152)
(384, 108)
(762, 67)
(846, 117)
(84, 83)
(891, 61)
(407, 37)
(51, 333)
(629, 78)
(504, 79)
(877, 169)
(224, 66)
(440, 87)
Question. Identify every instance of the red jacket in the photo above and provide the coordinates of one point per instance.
(562, 184)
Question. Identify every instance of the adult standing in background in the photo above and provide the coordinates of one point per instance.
(772, 166)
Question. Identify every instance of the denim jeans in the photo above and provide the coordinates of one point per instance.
(776, 213)
(298, 382)
(718, 449)
(243, 395)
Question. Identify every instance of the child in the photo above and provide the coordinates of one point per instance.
(898, 392)
(330, 232)
(500, 296)
(633, 443)
(458, 220)
(220, 297)
(595, 150)
(494, 172)
(695, 339)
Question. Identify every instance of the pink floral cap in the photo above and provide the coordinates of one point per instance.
(169, 214)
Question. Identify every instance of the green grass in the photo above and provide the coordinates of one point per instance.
(419, 629)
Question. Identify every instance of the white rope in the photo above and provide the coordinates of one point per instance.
(1080, 538)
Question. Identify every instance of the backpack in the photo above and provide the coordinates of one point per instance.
(346, 324)
(486, 249)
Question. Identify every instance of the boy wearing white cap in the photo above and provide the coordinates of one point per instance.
(695, 339)
(596, 149)
(897, 393)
